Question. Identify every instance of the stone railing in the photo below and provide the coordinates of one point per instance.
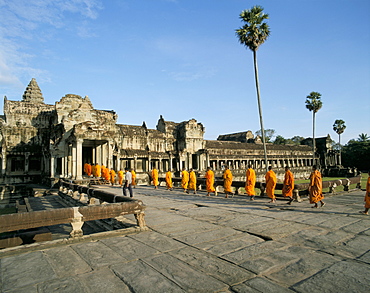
(76, 216)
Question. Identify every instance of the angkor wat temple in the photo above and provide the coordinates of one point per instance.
(41, 141)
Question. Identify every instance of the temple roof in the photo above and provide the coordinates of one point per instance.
(33, 93)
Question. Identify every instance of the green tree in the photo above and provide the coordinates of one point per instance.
(339, 127)
(363, 137)
(356, 153)
(297, 139)
(253, 34)
(280, 140)
(314, 104)
(269, 134)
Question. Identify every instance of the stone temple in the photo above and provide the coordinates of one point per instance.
(40, 141)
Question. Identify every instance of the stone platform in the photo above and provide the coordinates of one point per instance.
(207, 244)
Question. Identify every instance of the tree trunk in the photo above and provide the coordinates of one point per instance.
(260, 106)
(313, 138)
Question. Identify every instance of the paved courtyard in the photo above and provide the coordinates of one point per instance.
(207, 244)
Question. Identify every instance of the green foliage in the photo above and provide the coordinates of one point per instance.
(313, 102)
(356, 153)
(269, 134)
(280, 140)
(339, 126)
(297, 139)
(363, 137)
(255, 32)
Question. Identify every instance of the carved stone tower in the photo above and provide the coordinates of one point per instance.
(33, 94)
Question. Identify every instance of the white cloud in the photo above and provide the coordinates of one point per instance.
(23, 20)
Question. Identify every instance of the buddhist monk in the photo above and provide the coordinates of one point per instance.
(184, 180)
(87, 169)
(315, 188)
(192, 181)
(120, 177)
(210, 181)
(155, 178)
(93, 170)
(367, 197)
(133, 184)
(228, 180)
(98, 170)
(288, 185)
(107, 174)
(270, 184)
(250, 182)
(169, 180)
(112, 176)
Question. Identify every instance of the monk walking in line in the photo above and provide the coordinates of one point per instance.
(288, 185)
(192, 181)
(155, 178)
(210, 181)
(184, 180)
(315, 188)
(169, 180)
(87, 169)
(133, 173)
(120, 177)
(250, 182)
(367, 197)
(98, 170)
(228, 180)
(112, 174)
(270, 184)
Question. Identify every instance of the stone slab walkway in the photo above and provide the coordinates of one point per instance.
(207, 244)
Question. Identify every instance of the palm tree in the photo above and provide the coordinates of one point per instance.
(363, 137)
(339, 127)
(314, 104)
(253, 34)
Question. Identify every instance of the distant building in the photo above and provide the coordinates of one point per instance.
(41, 141)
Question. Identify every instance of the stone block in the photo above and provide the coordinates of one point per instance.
(128, 248)
(25, 269)
(144, 278)
(185, 276)
(344, 276)
(213, 266)
(97, 254)
(66, 262)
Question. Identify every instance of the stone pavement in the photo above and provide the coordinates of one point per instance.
(208, 244)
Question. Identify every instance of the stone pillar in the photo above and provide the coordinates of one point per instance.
(74, 160)
(3, 162)
(98, 155)
(79, 166)
(52, 166)
(110, 154)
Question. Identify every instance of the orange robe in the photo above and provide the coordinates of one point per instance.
(288, 185)
(210, 181)
(184, 179)
(120, 177)
(106, 174)
(270, 184)
(228, 180)
(93, 170)
(192, 181)
(169, 180)
(112, 176)
(250, 182)
(315, 188)
(155, 177)
(367, 195)
(87, 169)
(98, 171)
(133, 178)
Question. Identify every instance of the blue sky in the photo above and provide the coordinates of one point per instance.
(181, 59)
